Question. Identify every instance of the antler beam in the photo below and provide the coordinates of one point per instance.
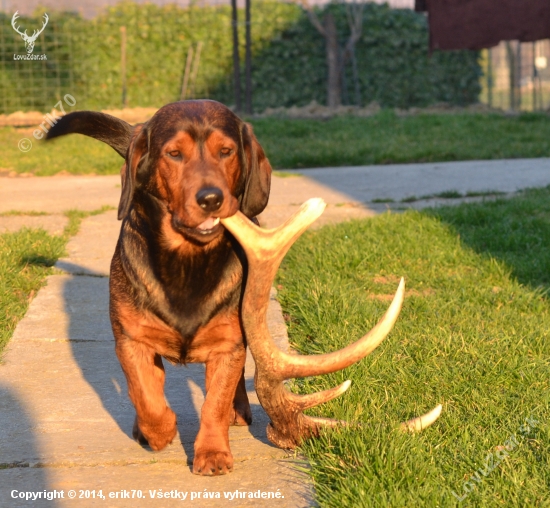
(265, 250)
(15, 27)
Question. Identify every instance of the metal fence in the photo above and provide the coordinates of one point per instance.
(517, 76)
(28, 85)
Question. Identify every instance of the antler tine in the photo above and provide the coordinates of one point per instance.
(314, 399)
(265, 250)
(37, 32)
(314, 365)
(268, 244)
(421, 422)
(44, 23)
(16, 28)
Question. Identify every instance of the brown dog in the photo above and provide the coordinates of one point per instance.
(176, 273)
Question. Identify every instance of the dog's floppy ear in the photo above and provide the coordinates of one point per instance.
(113, 131)
(136, 153)
(258, 175)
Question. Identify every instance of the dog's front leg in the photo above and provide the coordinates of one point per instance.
(155, 421)
(223, 373)
(242, 414)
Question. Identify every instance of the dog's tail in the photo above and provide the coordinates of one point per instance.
(109, 129)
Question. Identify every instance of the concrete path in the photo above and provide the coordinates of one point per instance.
(351, 192)
(65, 418)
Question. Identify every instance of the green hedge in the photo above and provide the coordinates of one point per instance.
(289, 62)
(393, 63)
(158, 39)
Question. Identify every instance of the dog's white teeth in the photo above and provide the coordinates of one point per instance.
(216, 221)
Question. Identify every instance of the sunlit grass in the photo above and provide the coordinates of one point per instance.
(27, 257)
(474, 335)
(342, 141)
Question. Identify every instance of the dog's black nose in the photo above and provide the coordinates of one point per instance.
(210, 199)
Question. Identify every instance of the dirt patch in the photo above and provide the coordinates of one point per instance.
(314, 110)
(34, 118)
(386, 279)
(10, 173)
(317, 111)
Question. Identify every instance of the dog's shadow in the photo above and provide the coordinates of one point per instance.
(86, 300)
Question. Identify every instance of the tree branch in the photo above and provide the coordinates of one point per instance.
(313, 17)
(354, 13)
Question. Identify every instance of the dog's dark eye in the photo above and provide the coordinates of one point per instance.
(225, 152)
(175, 154)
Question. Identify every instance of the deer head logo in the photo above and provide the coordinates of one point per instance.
(29, 40)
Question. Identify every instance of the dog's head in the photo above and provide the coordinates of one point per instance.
(196, 158)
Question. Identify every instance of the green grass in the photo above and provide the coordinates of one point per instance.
(31, 213)
(381, 139)
(383, 200)
(451, 194)
(286, 174)
(27, 257)
(474, 335)
(477, 194)
(74, 154)
(385, 138)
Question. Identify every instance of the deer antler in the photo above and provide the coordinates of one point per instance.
(29, 40)
(265, 250)
(16, 28)
(36, 33)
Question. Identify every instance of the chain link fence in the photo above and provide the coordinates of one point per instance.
(516, 76)
(34, 84)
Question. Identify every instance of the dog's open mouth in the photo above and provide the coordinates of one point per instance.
(206, 229)
(208, 226)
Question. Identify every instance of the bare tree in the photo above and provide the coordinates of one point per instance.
(236, 59)
(337, 57)
(248, 62)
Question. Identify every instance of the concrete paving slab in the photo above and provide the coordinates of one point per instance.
(155, 479)
(360, 184)
(53, 224)
(398, 181)
(68, 308)
(64, 413)
(59, 193)
(348, 191)
(275, 215)
(90, 252)
(64, 410)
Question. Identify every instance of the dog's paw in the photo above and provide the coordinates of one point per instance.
(138, 435)
(157, 435)
(210, 463)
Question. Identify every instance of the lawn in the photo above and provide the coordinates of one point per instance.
(27, 257)
(474, 335)
(381, 139)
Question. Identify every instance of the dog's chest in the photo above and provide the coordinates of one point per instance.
(185, 292)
